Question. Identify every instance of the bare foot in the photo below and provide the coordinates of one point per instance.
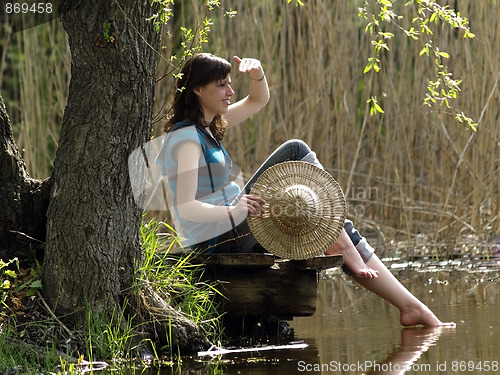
(422, 315)
(353, 261)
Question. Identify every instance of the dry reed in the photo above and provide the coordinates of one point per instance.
(412, 171)
(397, 170)
(44, 71)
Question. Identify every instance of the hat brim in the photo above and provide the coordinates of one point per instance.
(293, 232)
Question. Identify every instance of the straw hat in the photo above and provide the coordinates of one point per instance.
(304, 211)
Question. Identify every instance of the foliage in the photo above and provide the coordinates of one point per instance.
(178, 276)
(107, 32)
(183, 41)
(18, 283)
(192, 37)
(110, 336)
(6, 277)
(114, 336)
(378, 13)
(15, 359)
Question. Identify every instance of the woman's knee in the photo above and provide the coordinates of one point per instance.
(298, 147)
(296, 142)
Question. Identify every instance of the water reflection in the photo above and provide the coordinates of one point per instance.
(355, 332)
(352, 326)
(414, 342)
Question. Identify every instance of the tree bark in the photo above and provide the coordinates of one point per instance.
(93, 222)
(23, 200)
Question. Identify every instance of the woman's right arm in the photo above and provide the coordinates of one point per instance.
(257, 97)
(191, 209)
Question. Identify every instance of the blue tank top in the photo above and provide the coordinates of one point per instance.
(214, 183)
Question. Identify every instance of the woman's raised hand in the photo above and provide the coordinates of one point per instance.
(250, 65)
(258, 94)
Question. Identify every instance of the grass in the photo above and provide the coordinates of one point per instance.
(112, 338)
(172, 276)
(109, 337)
(23, 358)
(178, 276)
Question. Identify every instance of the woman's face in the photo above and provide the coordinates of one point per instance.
(215, 97)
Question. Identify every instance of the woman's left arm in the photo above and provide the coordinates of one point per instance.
(257, 97)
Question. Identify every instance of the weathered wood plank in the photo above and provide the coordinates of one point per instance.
(317, 263)
(263, 284)
(269, 260)
(268, 291)
(237, 260)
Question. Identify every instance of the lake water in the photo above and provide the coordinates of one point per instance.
(355, 332)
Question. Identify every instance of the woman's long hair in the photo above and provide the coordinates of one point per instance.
(199, 70)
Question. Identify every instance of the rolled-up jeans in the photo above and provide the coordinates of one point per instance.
(294, 149)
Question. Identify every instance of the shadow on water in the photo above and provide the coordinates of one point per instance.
(355, 332)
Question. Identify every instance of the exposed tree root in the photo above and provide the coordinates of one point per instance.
(169, 326)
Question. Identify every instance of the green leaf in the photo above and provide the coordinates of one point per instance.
(386, 35)
(10, 273)
(374, 106)
(368, 67)
(378, 108)
(369, 28)
(37, 284)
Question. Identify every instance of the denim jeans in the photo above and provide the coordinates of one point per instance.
(292, 150)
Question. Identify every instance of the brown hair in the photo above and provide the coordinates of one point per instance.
(199, 70)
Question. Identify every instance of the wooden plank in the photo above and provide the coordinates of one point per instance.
(263, 284)
(268, 291)
(317, 263)
(269, 260)
(237, 260)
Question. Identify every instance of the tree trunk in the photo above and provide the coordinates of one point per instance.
(23, 200)
(93, 222)
(91, 233)
(92, 245)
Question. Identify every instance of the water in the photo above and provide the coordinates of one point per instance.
(355, 332)
(368, 329)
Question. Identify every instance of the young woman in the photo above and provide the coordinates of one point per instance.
(208, 208)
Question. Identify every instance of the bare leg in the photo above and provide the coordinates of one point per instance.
(352, 259)
(412, 310)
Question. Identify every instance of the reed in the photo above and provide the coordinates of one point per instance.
(410, 171)
(44, 69)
